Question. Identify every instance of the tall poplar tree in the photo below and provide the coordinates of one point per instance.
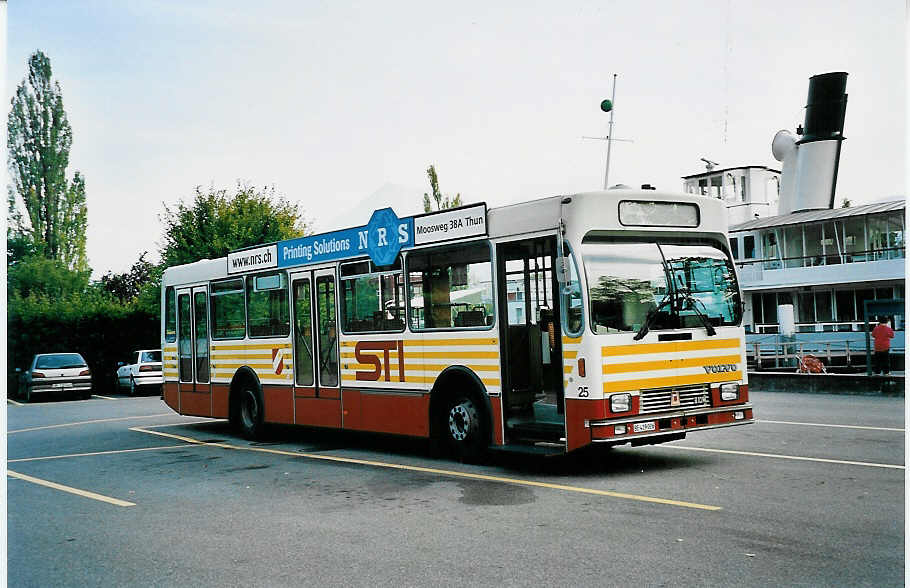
(442, 202)
(39, 140)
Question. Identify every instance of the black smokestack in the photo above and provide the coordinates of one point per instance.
(826, 107)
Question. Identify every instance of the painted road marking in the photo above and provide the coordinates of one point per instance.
(104, 397)
(94, 453)
(828, 425)
(70, 489)
(438, 472)
(11, 401)
(150, 416)
(793, 457)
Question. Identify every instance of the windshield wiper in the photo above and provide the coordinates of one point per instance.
(693, 304)
(651, 316)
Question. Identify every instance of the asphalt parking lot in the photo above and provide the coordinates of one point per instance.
(122, 491)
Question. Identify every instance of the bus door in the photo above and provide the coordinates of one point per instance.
(317, 394)
(193, 366)
(530, 339)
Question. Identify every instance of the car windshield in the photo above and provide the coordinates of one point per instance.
(60, 361)
(150, 357)
(674, 282)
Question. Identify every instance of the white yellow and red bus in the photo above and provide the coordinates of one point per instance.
(599, 318)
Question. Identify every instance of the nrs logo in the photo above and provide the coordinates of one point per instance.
(721, 368)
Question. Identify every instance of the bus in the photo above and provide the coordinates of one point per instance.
(600, 318)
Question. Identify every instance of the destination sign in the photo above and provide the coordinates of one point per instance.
(448, 225)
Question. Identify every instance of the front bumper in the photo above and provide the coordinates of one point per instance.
(670, 423)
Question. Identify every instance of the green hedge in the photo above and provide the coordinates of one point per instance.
(102, 329)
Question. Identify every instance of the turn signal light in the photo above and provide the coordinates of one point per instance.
(38, 375)
(85, 373)
(581, 367)
(148, 368)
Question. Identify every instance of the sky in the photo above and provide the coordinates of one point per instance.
(342, 106)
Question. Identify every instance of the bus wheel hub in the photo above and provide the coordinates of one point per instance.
(462, 419)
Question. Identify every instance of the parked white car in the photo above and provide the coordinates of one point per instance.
(143, 372)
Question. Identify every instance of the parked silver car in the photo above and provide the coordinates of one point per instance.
(143, 372)
(61, 373)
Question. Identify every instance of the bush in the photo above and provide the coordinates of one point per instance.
(104, 330)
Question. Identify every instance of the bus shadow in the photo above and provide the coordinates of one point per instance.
(591, 461)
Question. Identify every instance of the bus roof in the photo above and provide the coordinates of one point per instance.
(386, 234)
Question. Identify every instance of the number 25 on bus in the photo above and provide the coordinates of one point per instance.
(599, 318)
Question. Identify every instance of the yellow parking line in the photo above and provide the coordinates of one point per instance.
(105, 397)
(70, 489)
(94, 453)
(440, 472)
(151, 416)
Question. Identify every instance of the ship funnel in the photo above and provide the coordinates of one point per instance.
(809, 165)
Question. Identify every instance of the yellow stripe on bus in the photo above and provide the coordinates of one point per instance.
(240, 356)
(670, 347)
(431, 354)
(256, 367)
(571, 340)
(246, 346)
(668, 381)
(393, 367)
(410, 380)
(668, 364)
(433, 342)
(569, 354)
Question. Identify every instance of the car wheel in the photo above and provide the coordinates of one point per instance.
(132, 387)
(28, 394)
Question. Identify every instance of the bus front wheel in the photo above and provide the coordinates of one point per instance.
(464, 428)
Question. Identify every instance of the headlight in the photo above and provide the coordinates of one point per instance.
(621, 402)
(729, 391)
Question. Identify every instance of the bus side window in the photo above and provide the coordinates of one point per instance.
(372, 297)
(267, 305)
(170, 315)
(451, 287)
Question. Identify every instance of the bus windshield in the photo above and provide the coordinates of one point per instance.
(667, 285)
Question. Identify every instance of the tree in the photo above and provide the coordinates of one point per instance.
(442, 202)
(128, 285)
(217, 222)
(38, 142)
(48, 278)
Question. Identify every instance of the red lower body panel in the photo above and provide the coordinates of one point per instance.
(317, 412)
(171, 397)
(196, 402)
(577, 412)
(496, 406)
(400, 414)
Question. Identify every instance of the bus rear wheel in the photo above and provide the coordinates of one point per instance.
(249, 411)
(464, 428)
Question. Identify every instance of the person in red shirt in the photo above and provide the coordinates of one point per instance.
(882, 335)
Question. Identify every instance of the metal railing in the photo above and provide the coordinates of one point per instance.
(785, 354)
(834, 258)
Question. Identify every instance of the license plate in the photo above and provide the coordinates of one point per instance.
(63, 385)
(642, 427)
